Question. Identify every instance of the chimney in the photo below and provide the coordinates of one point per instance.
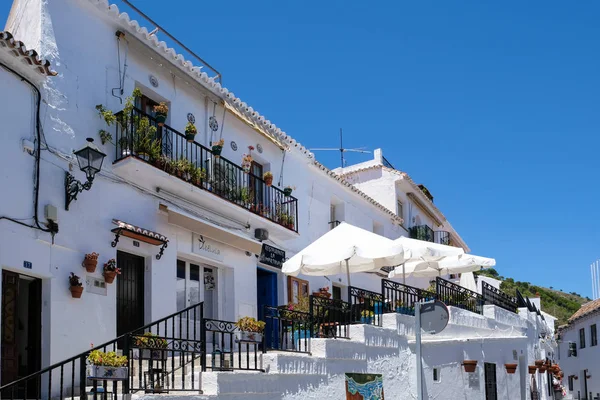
(30, 22)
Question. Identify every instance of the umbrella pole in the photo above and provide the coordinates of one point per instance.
(348, 272)
(403, 274)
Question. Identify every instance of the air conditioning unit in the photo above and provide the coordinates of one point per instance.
(261, 234)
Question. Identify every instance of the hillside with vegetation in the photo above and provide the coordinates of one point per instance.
(555, 302)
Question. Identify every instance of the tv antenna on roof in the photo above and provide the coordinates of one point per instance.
(342, 150)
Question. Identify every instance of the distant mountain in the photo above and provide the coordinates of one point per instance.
(554, 302)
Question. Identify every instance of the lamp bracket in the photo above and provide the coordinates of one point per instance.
(73, 187)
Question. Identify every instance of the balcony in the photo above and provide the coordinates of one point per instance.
(421, 232)
(138, 136)
(442, 237)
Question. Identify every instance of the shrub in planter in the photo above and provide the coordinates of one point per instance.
(251, 330)
(90, 262)
(190, 132)
(107, 366)
(287, 191)
(510, 368)
(366, 316)
(151, 346)
(268, 178)
(111, 270)
(469, 365)
(75, 286)
(161, 110)
(217, 147)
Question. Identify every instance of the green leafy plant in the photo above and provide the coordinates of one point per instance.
(74, 280)
(197, 174)
(161, 108)
(145, 141)
(105, 137)
(249, 324)
(109, 359)
(367, 314)
(106, 114)
(191, 128)
(150, 340)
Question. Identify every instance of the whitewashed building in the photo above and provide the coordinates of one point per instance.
(578, 352)
(180, 241)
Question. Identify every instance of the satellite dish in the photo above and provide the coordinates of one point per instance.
(434, 317)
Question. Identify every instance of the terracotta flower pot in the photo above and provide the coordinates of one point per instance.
(510, 368)
(161, 118)
(469, 365)
(532, 369)
(539, 363)
(542, 369)
(76, 291)
(90, 265)
(109, 276)
(269, 181)
(287, 191)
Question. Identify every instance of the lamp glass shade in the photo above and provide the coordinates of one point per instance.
(90, 159)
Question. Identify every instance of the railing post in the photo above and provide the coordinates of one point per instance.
(126, 352)
(203, 339)
(82, 377)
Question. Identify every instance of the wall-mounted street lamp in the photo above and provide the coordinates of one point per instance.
(90, 160)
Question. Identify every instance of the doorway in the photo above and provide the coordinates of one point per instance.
(130, 292)
(266, 291)
(21, 327)
(195, 283)
(491, 390)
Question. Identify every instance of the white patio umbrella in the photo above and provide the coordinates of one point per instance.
(348, 249)
(467, 280)
(417, 251)
(448, 265)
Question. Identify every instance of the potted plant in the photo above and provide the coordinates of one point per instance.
(145, 145)
(111, 270)
(107, 366)
(469, 365)
(542, 369)
(510, 368)
(75, 286)
(250, 330)
(268, 178)
(323, 292)
(297, 315)
(539, 363)
(217, 147)
(151, 346)
(190, 132)
(197, 175)
(161, 110)
(247, 162)
(366, 316)
(532, 369)
(124, 143)
(287, 191)
(90, 262)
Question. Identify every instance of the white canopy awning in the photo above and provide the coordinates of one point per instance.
(447, 265)
(345, 249)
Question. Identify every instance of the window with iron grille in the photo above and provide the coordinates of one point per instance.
(570, 383)
(582, 338)
(491, 392)
(572, 349)
(593, 335)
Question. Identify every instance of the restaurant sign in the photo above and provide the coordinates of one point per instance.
(272, 256)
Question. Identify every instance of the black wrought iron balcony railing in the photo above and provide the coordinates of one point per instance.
(333, 224)
(139, 135)
(421, 232)
(442, 237)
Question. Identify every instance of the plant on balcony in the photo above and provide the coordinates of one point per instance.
(181, 168)
(287, 191)
(110, 118)
(197, 175)
(75, 286)
(145, 144)
(161, 110)
(106, 366)
(90, 262)
(250, 330)
(111, 270)
(217, 147)
(268, 178)
(190, 132)
(151, 341)
(323, 292)
(247, 162)
(105, 137)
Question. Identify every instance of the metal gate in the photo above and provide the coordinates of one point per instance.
(130, 292)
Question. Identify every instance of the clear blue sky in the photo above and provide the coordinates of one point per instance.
(495, 106)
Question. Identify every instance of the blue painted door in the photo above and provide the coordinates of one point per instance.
(266, 292)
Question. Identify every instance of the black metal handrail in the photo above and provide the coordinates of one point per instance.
(366, 307)
(333, 224)
(231, 349)
(458, 296)
(139, 135)
(498, 298)
(331, 317)
(401, 298)
(72, 375)
(521, 303)
(386, 163)
(421, 232)
(442, 237)
(287, 329)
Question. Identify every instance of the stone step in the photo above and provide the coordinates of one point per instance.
(296, 363)
(269, 386)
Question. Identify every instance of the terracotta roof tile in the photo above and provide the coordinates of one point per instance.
(29, 57)
(586, 309)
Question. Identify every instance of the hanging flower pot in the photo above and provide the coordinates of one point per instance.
(532, 369)
(268, 177)
(287, 191)
(190, 132)
(542, 369)
(75, 286)
(90, 262)
(217, 148)
(539, 363)
(161, 110)
(469, 365)
(111, 271)
(510, 368)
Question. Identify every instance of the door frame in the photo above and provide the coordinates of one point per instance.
(202, 263)
(144, 304)
(274, 285)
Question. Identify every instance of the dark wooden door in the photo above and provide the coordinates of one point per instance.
(130, 292)
(256, 186)
(491, 391)
(10, 344)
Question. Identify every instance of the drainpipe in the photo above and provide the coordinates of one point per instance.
(206, 122)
